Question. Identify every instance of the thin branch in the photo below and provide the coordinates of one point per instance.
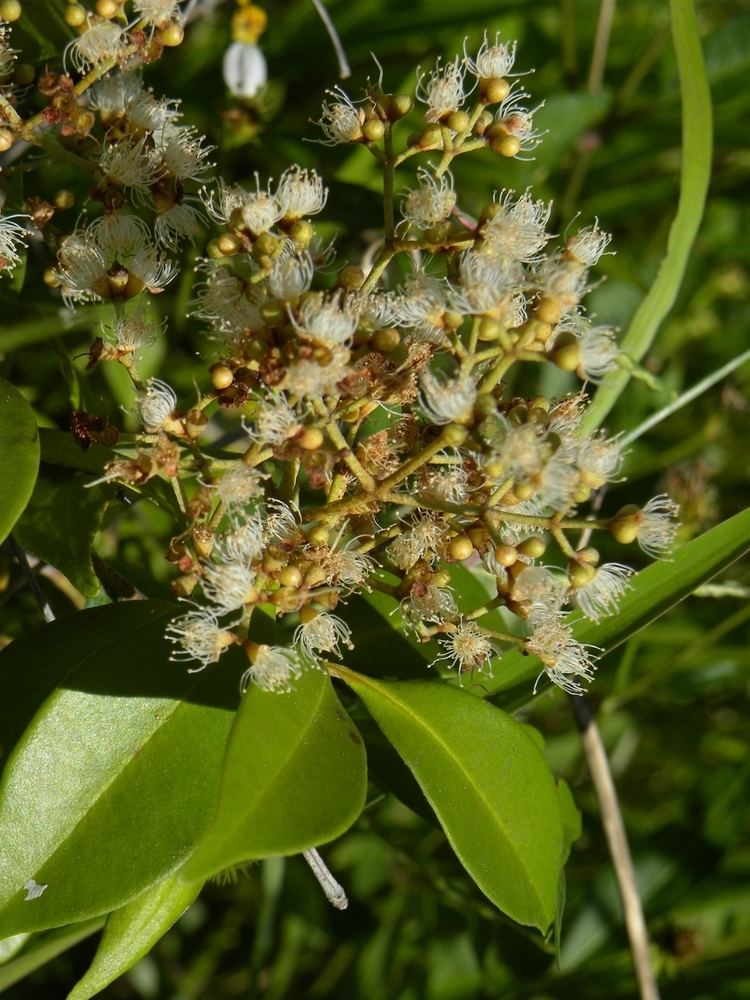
(601, 44)
(28, 572)
(333, 891)
(685, 397)
(617, 841)
(338, 48)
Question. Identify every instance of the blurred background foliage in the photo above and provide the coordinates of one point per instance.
(672, 702)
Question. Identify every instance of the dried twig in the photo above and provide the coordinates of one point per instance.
(617, 841)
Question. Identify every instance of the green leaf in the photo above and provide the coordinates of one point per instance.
(563, 119)
(60, 523)
(19, 456)
(132, 931)
(571, 818)
(61, 448)
(294, 777)
(488, 783)
(384, 642)
(45, 949)
(695, 176)
(113, 770)
(654, 591)
(10, 946)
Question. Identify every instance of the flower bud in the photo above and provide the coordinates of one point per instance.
(589, 555)
(494, 90)
(74, 15)
(212, 249)
(10, 10)
(311, 439)
(351, 277)
(548, 311)
(489, 329)
(265, 245)
(580, 574)
(506, 555)
(459, 121)
(64, 199)
(245, 69)
(319, 535)
(386, 340)
(107, 8)
(228, 244)
(399, 105)
(373, 130)
(290, 576)
(302, 233)
(431, 138)
(624, 525)
(172, 35)
(533, 547)
(460, 548)
(221, 376)
(566, 352)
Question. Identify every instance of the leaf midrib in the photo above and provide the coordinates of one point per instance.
(410, 712)
(284, 765)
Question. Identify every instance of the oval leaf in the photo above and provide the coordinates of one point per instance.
(132, 931)
(294, 777)
(113, 780)
(488, 783)
(19, 456)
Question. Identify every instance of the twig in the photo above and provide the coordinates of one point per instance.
(601, 44)
(28, 572)
(685, 397)
(333, 891)
(617, 841)
(338, 48)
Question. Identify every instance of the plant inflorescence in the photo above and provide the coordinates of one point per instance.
(377, 439)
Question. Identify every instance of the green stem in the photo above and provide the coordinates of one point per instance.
(388, 177)
(384, 258)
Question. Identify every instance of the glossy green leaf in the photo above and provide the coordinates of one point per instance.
(132, 931)
(114, 755)
(488, 783)
(384, 642)
(294, 777)
(654, 591)
(695, 176)
(60, 523)
(19, 456)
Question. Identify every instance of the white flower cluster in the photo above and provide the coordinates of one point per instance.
(377, 434)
